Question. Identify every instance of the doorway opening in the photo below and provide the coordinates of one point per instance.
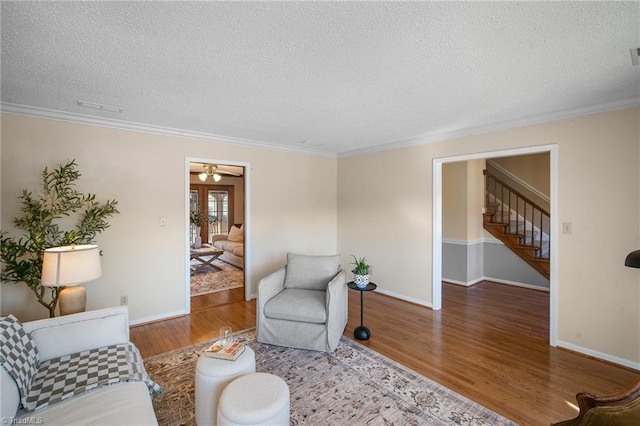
(438, 223)
(216, 227)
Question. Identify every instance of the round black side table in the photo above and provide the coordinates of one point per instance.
(361, 332)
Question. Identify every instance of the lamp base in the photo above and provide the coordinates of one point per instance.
(72, 300)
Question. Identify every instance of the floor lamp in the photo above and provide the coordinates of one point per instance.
(68, 267)
(633, 259)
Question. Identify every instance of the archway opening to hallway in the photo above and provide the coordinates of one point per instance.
(438, 221)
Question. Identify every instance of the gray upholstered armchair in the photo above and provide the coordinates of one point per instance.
(304, 304)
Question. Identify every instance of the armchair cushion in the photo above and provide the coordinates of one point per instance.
(298, 305)
(310, 272)
(18, 354)
(286, 318)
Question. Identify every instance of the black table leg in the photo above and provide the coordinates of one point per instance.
(361, 332)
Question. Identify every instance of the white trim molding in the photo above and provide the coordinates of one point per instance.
(248, 295)
(600, 355)
(463, 242)
(436, 279)
(405, 298)
(28, 111)
(160, 317)
(420, 140)
(495, 280)
(462, 283)
(495, 127)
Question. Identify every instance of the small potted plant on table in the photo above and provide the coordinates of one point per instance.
(361, 271)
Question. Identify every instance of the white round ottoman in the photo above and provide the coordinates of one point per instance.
(212, 375)
(254, 399)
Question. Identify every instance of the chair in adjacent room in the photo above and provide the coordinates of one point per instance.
(304, 304)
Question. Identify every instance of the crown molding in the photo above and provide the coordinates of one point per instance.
(17, 109)
(527, 121)
(29, 111)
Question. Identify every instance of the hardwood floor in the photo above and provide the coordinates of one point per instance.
(488, 343)
(201, 325)
(209, 300)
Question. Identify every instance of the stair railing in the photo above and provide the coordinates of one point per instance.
(532, 223)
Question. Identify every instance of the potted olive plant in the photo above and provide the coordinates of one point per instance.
(198, 219)
(40, 228)
(361, 271)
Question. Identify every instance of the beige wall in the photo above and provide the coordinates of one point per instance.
(598, 298)
(462, 200)
(475, 199)
(386, 216)
(290, 207)
(532, 169)
(454, 201)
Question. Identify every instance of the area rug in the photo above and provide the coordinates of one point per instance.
(351, 386)
(210, 280)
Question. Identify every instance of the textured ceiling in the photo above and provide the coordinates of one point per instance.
(329, 77)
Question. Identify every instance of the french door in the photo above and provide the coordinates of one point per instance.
(216, 202)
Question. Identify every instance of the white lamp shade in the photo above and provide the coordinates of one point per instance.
(70, 265)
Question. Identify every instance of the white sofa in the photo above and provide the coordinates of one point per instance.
(126, 403)
(232, 245)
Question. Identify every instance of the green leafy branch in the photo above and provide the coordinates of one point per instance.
(21, 257)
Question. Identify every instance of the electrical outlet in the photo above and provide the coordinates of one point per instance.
(124, 300)
(566, 228)
(163, 221)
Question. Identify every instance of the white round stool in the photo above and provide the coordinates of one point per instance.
(254, 399)
(212, 375)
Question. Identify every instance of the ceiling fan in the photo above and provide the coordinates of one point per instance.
(215, 172)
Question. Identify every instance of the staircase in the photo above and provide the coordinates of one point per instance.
(520, 224)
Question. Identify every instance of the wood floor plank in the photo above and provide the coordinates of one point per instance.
(488, 343)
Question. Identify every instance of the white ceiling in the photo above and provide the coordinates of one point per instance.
(325, 77)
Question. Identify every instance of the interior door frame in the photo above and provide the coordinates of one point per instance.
(247, 223)
(436, 287)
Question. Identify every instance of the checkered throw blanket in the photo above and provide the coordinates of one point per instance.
(61, 378)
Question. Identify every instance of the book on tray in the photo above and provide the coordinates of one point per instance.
(230, 352)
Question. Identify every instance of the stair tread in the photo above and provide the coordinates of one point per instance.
(517, 229)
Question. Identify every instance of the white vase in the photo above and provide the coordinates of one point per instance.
(361, 280)
(198, 240)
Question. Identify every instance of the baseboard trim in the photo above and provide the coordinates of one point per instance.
(155, 318)
(462, 283)
(517, 284)
(495, 280)
(600, 355)
(405, 298)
